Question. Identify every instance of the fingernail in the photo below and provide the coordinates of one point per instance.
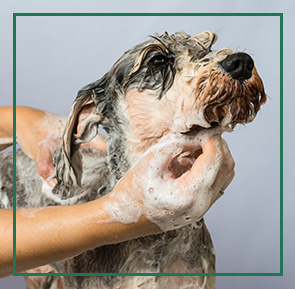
(45, 169)
(52, 183)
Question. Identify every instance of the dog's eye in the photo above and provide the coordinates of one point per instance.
(155, 72)
(158, 61)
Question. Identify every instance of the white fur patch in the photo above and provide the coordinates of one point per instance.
(4, 200)
(47, 191)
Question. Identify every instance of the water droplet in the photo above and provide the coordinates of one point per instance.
(151, 190)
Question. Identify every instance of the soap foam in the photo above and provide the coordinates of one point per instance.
(29, 213)
(189, 202)
(155, 192)
(126, 211)
(54, 136)
(47, 191)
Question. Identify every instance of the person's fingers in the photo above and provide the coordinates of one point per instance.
(208, 163)
(52, 182)
(226, 172)
(45, 168)
(155, 161)
(43, 157)
(228, 181)
(221, 183)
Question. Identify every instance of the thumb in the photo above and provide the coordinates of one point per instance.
(45, 166)
(158, 158)
(207, 164)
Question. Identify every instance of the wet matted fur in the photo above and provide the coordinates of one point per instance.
(169, 83)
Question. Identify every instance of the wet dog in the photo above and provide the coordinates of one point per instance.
(171, 83)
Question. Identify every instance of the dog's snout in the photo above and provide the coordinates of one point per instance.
(238, 65)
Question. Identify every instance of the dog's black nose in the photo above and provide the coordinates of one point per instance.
(238, 65)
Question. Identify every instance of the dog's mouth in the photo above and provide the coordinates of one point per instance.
(221, 104)
(226, 101)
(195, 129)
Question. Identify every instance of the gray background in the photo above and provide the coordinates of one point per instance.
(58, 55)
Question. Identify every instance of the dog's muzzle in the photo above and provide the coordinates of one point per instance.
(228, 93)
(238, 65)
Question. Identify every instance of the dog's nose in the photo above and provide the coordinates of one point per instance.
(238, 65)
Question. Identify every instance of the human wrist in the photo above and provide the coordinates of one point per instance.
(105, 230)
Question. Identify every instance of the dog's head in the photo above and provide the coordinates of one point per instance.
(169, 83)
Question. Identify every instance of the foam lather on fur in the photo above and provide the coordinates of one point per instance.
(136, 69)
(168, 84)
(153, 67)
(69, 151)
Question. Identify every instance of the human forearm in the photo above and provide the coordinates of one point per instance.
(147, 200)
(45, 235)
(6, 127)
(39, 134)
(26, 117)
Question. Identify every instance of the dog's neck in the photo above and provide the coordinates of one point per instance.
(117, 153)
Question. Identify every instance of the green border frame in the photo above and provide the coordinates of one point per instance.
(280, 15)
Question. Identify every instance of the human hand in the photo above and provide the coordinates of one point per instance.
(39, 133)
(151, 187)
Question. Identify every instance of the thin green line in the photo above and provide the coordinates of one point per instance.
(281, 149)
(148, 14)
(14, 144)
(148, 274)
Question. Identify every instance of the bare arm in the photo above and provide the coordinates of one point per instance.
(45, 235)
(6, 127)
(57, 233)
(39, 134)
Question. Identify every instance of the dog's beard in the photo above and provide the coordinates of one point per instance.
(223, 103)
(226, 101)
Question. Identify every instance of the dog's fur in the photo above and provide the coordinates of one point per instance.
(169, 83)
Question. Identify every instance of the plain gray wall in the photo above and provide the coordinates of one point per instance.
(58, 55)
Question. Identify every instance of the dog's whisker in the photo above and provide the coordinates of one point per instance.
(189, 76)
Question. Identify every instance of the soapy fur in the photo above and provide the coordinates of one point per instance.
(169, 85)
(160, 199)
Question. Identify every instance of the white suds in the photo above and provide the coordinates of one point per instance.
(126, 211)
(190, 200)
(47, 191)
(4, 200)
(30, 213)
(158, 195)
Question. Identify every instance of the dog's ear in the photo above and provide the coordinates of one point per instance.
(206, 39)
(81, 127)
